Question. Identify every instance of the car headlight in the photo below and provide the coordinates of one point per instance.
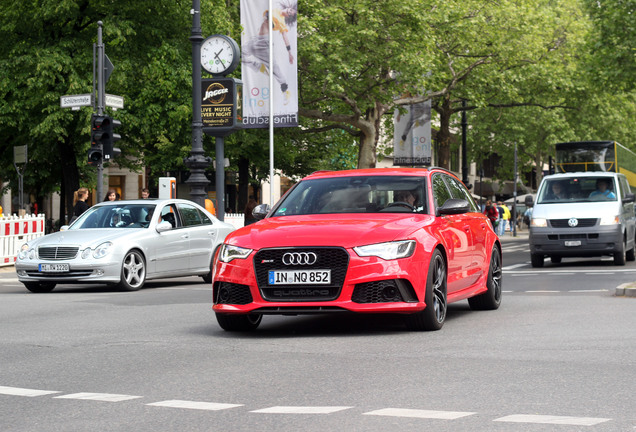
(387, 251)
(24, 250)
(539, 222)
(613, 220)
(229, 252)
(102, 250)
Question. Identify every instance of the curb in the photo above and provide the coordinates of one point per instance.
(626, 290)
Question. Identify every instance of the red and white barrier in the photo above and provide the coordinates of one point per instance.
(16, 230)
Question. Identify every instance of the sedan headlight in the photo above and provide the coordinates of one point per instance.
(387, 251)
(228, 253)
(102, 250)
(24, 251)
(539, 222)
(612, 220)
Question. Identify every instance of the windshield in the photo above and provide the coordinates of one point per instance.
(577, 189)
(115, 216)
(374, 194)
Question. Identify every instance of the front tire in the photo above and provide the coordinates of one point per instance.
(246, 322)
(434, 315)
(619, 256)
(536, 260)
(39, 287)
(133, 271)
(491, 299)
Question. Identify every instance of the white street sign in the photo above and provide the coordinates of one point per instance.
(114, 101)
(71, 101)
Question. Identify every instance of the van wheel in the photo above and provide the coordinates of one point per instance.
(631, 254)
(537, 260)
(619, 257)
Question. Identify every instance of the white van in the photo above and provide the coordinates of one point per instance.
(583, 214)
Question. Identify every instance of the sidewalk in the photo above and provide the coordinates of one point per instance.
(521, 236)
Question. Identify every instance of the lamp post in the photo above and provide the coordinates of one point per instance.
(197, 162)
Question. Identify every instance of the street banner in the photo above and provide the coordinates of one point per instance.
(255, 63)
(412, 135)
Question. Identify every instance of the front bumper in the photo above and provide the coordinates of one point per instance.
(371, 285)
(80, 271)
(576, 242)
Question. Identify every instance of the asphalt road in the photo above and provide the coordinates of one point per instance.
(559, 355)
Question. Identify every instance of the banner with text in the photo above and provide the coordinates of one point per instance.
(412, 135)
(256, 68)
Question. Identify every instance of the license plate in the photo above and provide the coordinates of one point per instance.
(299, 277)
(54, 268)
(573, 243)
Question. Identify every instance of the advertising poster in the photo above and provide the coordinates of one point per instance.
(256, 68)
(412, 135)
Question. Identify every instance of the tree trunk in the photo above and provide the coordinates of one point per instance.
(370, 128)
(70, 181)
(444, 134)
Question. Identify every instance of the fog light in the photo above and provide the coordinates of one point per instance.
(224, 295)
(390, 293)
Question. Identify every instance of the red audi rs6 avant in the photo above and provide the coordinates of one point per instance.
(407, 241)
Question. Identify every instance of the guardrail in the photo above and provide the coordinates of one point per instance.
(16, 230)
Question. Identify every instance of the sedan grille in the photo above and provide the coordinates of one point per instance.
(57, 252)
(231, 293)
(334, 259)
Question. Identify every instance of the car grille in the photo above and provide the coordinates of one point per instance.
(231, 293)
(563, 223)
(70, 274)
(335, 259)
(57, 252)
(384, 291)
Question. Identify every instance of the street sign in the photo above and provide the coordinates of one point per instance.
(114, 101)
(20, 154)
(72, 101)
(108, 68)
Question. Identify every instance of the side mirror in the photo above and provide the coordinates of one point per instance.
(629, 198)
(454, 206)
(260, 211)
(163, 226)
(529, 201)
(64, 227)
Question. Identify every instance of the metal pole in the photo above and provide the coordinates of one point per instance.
(271, 104)
(220, 177)
(464, 150)
(514, 198)
(101, 91)
(197, 162)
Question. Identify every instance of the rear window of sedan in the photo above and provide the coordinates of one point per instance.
(356, 194)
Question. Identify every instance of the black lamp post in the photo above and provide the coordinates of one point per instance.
(197, 162)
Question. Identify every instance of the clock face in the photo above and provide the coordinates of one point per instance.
(217, 54)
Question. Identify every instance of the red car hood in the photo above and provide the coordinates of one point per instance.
(346, 230)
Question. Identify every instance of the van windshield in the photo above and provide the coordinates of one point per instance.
(577, 189)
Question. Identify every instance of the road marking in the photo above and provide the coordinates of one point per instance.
(514, 266)
(415, 413)
(104, 397)
(543, 291)
(587, 291)
(557, 420)
(16, 391)
(301, 409)
(209, 406)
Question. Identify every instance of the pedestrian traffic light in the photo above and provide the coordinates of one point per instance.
(103, 137)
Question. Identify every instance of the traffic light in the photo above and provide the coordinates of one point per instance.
(94, 155)
(103, 137)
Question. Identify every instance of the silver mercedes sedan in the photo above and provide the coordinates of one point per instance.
(125, 243)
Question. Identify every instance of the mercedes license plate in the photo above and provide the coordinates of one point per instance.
(299, 277)
(54, 268)
(571, 243)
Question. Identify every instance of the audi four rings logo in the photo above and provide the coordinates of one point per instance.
(299, 258)
(573, 222)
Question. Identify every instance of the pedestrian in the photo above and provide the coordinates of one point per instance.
(505, 217)
(79, 203)
(145, 193)
(491, 212)
(111, 195)
(249, 208)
